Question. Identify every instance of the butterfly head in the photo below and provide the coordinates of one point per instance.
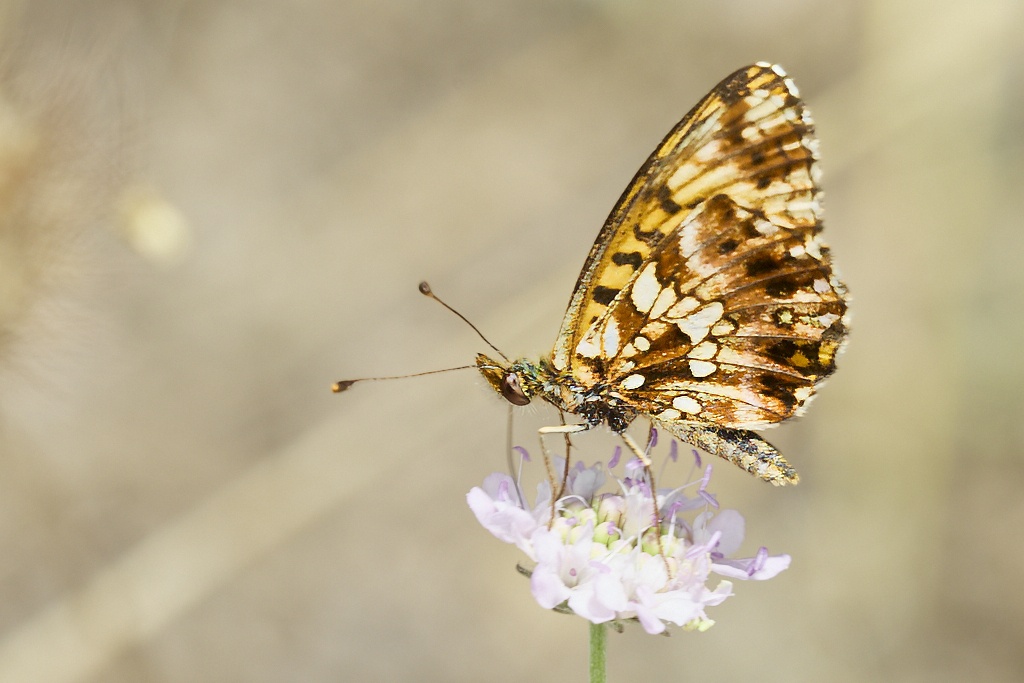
(517, 382)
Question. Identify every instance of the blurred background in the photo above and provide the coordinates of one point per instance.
(211, 211)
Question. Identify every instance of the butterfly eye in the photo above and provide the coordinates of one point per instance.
(513, 391)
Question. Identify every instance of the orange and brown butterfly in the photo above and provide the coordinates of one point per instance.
(708, 303)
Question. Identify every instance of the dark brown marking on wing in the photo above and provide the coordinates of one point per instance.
(605, 295)
(782, 287)
(802, 355)
(630, 258)
(728, 246)
(762, 265)
(782, 388)
(650, 237)
(668, 205)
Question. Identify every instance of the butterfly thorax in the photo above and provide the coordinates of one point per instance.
(523, 380)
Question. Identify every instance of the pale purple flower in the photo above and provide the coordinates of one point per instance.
(497, 507)
(601, 558)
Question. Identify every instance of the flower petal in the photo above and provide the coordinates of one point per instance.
(749, 569)
(586, 481)
(733, 528)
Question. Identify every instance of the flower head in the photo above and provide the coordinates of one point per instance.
(601, 557)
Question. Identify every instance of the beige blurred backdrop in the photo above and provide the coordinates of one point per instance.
(209, 211)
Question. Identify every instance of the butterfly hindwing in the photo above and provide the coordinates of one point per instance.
(731, 320)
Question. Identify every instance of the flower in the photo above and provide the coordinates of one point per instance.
(600, 556)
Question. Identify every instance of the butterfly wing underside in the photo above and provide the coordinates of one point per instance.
(708, 301)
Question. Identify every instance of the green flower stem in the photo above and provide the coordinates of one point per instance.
(598, 639)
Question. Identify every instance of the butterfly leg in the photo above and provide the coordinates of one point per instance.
(641, 453)
(565, 430)
(568, 447)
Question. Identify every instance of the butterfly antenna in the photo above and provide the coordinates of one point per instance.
(344, 384)
(425, 290)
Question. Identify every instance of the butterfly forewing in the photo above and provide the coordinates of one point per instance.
(709, 296)
(749, 139)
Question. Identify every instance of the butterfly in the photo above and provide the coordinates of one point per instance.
(708, 303)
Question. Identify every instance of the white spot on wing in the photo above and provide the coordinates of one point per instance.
(792, 146)
(686, 305)
(764, 227)
(645, 289)
(799, 176)
(641, 344)
(689, 234)
(723, 327)
(697, 324)
(702, 368)
(668, 415)
(813, 247)
(610, 338)
(666, 298)
(633, 382)
(587, 348)
(812, 144)
(826, 319)
(654, 329)
(704, 351)
(729, 356)
(709, 151)
(687, 405)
